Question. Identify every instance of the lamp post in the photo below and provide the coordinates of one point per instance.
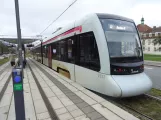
(18, 33)
(17, 74)
(41, 52)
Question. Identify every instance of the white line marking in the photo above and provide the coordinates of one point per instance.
(148, 68)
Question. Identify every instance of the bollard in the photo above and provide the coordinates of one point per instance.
(18, 93)
(24, 63)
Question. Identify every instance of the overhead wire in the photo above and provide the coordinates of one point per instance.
(58, 17)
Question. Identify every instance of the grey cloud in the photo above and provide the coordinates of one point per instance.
(35, 15)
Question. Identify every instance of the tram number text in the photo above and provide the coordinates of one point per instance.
(101, 76)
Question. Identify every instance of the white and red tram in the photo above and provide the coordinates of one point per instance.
(102, 52)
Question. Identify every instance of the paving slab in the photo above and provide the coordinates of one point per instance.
(4, 112)
(72, 107)
(61, 111)
(91, 105)
(76, 113)
(69, 100)
(65, 116)
(43, 116)
(7, 106)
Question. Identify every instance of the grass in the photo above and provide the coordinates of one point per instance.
(147, 106)
(152, 57)
(6, 59)
(28, 55)
(2, 61)
(155, 92)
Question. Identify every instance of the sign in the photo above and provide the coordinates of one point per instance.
(18, 93)
(17, 80)
(17, 87)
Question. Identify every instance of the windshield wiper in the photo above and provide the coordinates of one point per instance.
(138, 51)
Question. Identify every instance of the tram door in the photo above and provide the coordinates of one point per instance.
(50, 57)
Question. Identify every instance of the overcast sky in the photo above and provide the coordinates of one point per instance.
(36, 15)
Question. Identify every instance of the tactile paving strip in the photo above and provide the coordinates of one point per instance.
(81, 104)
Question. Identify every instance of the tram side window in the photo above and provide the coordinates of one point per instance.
(39, 52)
(89, 56)
(43, 51)
(57, 51)
(63, 50)
(47, 50)
(54, 51)
(70, 49)
(36, 51)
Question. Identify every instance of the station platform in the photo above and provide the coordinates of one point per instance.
(51, 96)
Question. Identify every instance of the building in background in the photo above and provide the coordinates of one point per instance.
(148, 35)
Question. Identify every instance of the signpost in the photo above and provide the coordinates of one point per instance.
(17, 73)
(18, 93)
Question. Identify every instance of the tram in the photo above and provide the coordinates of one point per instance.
(102, 52)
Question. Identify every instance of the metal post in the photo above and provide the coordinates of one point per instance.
(24, 53)
(41, 53)
(18, 93)
(18, 33)
(41, 40)
(17, 74)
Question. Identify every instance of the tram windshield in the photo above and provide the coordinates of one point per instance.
(122, 39)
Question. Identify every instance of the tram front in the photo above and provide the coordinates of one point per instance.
(126, 56)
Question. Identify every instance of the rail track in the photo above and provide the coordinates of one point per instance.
(145, 107)
(153, 97)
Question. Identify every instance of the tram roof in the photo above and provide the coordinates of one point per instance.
(111, 16)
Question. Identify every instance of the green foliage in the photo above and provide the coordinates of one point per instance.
(2, 61)
(3, 48)
(28, 55)
(25, 41)
(152, 57)
(157, 40)
(155, 92)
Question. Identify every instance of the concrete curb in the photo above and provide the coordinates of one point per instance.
(152, 61)
(151, 64)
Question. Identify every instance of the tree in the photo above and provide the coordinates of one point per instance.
(1, 48)
(157, 40)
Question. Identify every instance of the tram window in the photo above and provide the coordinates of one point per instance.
(57, 51)
(43, 50)
(89, 56)
(38, 52)
(47, 52)
(54, 51)
(70, 49)
(63, 50)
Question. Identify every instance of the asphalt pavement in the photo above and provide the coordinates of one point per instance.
(155, 74)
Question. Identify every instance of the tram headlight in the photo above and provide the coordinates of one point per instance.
(118, 70)
(142, 67)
